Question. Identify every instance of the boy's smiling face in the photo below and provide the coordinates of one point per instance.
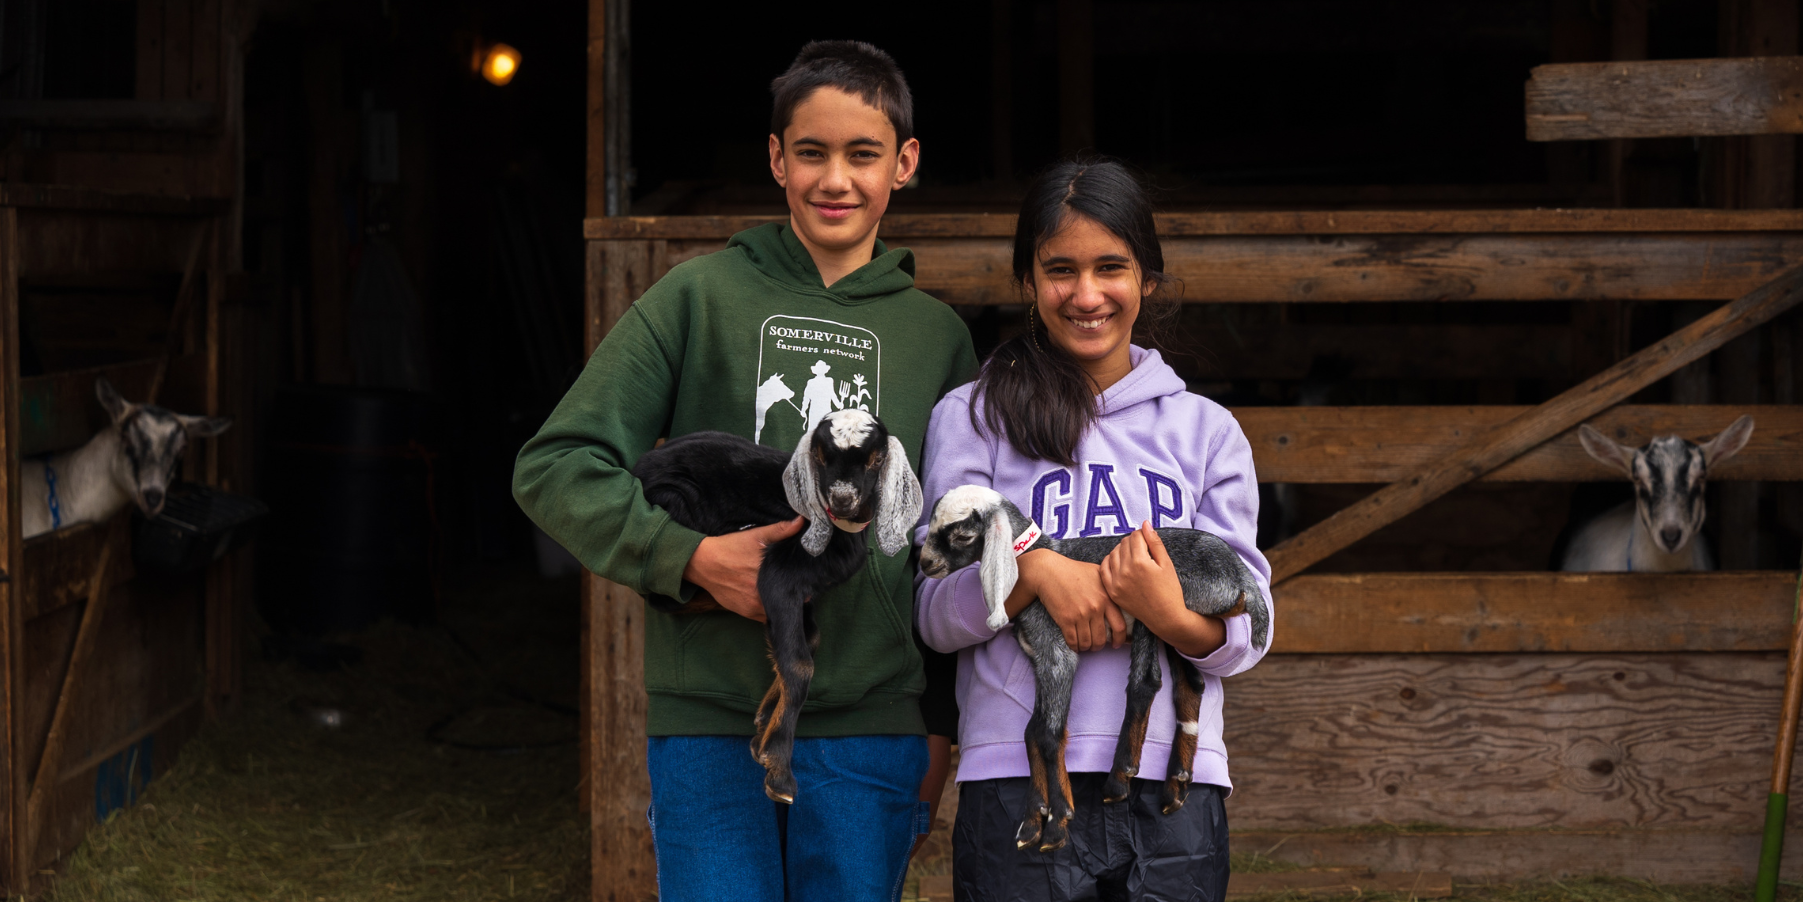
(837, 162)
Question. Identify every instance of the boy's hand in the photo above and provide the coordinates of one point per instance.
(726, 567)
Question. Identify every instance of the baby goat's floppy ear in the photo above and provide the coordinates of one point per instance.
(202, 427)
(1729, 442)
(898, 501)
(803, 489)
(1606, 451)
(998, 571)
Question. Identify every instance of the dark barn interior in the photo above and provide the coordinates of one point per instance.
(321, 219)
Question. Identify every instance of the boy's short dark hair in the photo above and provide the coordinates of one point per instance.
(854, 67)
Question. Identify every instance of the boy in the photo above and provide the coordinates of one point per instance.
(790, 322)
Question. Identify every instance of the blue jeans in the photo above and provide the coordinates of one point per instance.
(857, 812)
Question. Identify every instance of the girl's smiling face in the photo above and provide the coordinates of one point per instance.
(1087, 289)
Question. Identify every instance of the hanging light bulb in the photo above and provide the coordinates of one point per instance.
(500, 64)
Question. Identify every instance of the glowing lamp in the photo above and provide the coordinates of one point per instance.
(500, 64)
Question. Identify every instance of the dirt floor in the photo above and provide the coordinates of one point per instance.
(393, 803)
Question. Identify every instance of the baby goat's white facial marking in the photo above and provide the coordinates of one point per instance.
(1668, 479)
(850, 428)
(960, 503)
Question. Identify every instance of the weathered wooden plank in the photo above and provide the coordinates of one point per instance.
(1587, 741)
(1356, 267)
(596, 194)
(55, 243)
(1665, 99)
(1505, 443)
(1383, 444)
(58, 569)
(70, 197)
(1614, 613)
(1493, 856)
(1342, 882)
(902, 226)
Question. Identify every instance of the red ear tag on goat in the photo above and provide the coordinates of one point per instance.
(1026, 539)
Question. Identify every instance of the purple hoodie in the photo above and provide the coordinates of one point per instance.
(1157, 452)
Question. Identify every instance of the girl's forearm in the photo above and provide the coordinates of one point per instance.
(1195, 635)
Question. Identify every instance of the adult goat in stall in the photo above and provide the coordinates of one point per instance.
(1657, 531)
(844, 474)
(132, 460)
(973, 523)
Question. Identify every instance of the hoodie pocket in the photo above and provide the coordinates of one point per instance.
(864, 643)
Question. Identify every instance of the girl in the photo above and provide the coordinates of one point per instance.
(1090, 434)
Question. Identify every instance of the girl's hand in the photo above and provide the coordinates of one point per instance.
(1139, 577)
(726, 567)
(1072, 593)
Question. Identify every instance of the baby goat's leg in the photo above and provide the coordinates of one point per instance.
(789, 648)
(1186, 698)
(1143, 682)
(1054, 669)
(760, 724)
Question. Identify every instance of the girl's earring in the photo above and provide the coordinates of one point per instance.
(1031, 331)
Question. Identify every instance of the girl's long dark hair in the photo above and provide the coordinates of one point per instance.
(1030, 390)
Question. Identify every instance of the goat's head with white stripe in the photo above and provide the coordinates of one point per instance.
(1668, 476)
(968, 521)
(847, 472)
(151, 442)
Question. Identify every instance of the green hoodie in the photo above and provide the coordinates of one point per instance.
(748, 341)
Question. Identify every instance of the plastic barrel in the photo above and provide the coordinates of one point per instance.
(349, 536)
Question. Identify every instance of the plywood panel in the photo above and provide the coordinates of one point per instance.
(1670, 741)
(1535, 612)
(1384, 444)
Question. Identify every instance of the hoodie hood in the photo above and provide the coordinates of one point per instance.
(1150, 379)
(774, 250)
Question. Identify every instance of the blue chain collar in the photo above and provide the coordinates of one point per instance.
(56, 509)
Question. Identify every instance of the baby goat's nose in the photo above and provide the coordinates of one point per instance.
(1671, 535)
(153, 499)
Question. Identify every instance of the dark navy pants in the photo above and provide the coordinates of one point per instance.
(1129, 850)
(857, 812)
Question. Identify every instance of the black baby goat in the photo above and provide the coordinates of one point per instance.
(973, 522)
(846, 472)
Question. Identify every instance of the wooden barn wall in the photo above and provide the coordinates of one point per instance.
(1493, 725)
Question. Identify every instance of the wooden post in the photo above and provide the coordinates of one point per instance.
(1001, 89)
(623, 865)
(1758, 172)
(597, 108)
(12, 617)
(1505, 443)
(1076, 76)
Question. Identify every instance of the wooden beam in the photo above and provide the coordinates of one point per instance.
(1665, 99)
(136, 115)
(1409, 351)
(902, 226)
(1386, 444)
(1623, 743)
(1505, 443)
(1597, 613)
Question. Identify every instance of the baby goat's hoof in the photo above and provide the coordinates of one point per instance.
(1030, 828)
(1174, 794)
(1115, 788)
(780, 789)
(1056, 834)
